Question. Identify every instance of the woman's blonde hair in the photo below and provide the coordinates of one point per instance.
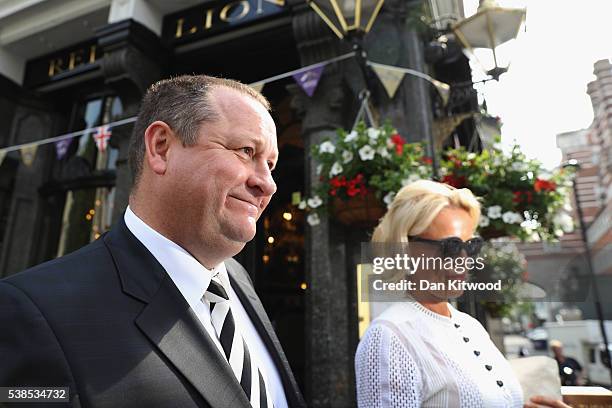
(416, 205)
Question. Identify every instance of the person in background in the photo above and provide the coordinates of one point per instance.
(570, 370)
(422, 352)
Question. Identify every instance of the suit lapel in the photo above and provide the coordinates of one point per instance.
(254, 308)
(170, 324)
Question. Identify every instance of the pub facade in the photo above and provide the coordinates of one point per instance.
(72, 65)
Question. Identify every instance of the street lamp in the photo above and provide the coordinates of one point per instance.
(489, 28)
(576, 166)
(349, 16)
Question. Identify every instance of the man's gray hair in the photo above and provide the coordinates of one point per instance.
(183, 104)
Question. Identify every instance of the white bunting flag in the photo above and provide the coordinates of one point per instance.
(443, 90)
(28, 153)
(390, 78)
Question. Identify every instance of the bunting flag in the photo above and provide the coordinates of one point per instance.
(61, 147)
(28, 153)
(101, 137)
(390, 78)
(443, 90)
(444, 127)
(309, 79)
(258, 86)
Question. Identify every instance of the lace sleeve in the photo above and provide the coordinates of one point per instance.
(387, 375)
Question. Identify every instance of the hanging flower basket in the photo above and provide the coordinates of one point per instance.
(360, 211)
(519, 197)
(360, 172)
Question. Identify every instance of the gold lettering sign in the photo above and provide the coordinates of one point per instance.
(224, 13)
(74, 59)
(245, 9)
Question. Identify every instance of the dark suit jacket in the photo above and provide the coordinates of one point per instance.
(108, 322)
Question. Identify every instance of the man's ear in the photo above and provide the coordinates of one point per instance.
(157, 138)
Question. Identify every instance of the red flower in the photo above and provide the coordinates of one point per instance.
(399, 143)
(338, 181)
(455, 181)
(332, 192)
(522, 197)
(544, 185)
(356, 186)
(427, 160)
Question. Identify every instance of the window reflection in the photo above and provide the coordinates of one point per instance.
(88, 208)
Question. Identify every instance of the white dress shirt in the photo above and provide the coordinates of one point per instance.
(192, 279)
(411, 357)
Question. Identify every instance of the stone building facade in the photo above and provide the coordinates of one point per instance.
(564, 262)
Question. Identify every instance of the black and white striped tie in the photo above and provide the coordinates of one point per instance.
(234, 347)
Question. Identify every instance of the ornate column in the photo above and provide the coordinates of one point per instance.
(332, 250)
(394, 40)
(132, 61)
(329, 314)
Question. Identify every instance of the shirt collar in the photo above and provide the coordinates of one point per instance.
(190, 276)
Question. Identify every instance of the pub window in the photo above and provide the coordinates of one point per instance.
(88, 177)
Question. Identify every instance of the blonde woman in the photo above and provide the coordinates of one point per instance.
(422, 352)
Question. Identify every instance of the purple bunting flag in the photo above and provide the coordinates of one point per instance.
(61, 147)
(309, 79)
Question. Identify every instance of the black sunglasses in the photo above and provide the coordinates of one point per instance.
(452, 246)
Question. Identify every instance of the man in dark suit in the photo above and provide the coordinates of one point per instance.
(155, 313)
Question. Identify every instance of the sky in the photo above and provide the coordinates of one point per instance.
(551, 63)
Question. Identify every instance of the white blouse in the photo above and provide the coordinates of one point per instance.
(413, 357)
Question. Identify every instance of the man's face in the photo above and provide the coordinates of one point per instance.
(221, 185)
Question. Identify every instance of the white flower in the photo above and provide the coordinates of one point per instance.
(558, 233)
(484, 221)
(510, 217)
(519, 166)
(530, 225)
(443, 171)
(319, 169)
(351, 136)
(315, 201)
(347, 156)
(313, 219)
(302, 205)
(534, 237)
(564, 221)
(327, 147)
(336, 169)
(471, 156)
(388, 199)
(422, 169)
(383, 152)
(366, 153)
(411, 179)
(373, 133)
(497, 161)
(494, 212)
